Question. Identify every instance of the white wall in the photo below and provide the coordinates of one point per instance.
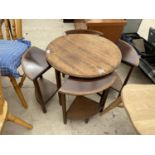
(144, 27)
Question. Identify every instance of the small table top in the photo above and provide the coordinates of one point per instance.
(83, 55)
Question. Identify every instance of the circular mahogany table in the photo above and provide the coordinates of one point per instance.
(83, 55)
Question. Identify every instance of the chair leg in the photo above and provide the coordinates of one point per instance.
(63, 75)
(86, 120)
(128, 75)
(99, 94)
(22, 81)
(126, 79)
(18, 91)
(18, 121)
(103, 99)
(114, 104)
(63, 103)
(121, 105)
(39, 96)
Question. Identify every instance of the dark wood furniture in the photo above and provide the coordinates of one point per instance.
(130, 58)
(84, 57)
(82, 107)
(35, 65)
(111, 28)
(82, 31)
(5, 115)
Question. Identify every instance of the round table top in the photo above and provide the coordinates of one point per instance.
(83, 55)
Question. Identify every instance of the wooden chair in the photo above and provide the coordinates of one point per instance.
(130, 58)
(1, 34)
(10, 29)
(6, 116)
(138, 101)
(82, 107)
(82, 31)
(34, 65)
(10, 32)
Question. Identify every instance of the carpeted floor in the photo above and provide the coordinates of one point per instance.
(41, 32)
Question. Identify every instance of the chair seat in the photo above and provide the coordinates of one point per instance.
(129, 54)
(77, 86)
(139, 101)
(34, 63)
(11, 52)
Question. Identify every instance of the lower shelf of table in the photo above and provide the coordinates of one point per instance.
(83, 108)
(48, 90)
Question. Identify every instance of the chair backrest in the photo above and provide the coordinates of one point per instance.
(10, 29)
(1, 34)
(82, 31)
(129, 54)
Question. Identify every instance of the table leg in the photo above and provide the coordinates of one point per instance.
(63, 103)
(58, 81)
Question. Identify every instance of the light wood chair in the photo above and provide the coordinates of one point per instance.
(10, 33)
(139, 102)
(1, 34)
(6, 116)
(82, 107)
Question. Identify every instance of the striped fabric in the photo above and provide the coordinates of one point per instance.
(11, 52)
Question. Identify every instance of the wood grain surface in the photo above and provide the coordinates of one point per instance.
(139, 102)
(78, 86)
(83, 55)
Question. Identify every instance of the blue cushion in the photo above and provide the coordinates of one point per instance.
(11, 52)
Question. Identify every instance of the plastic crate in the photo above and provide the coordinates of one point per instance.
(149, 48)
(151, 36)
(147, 65)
